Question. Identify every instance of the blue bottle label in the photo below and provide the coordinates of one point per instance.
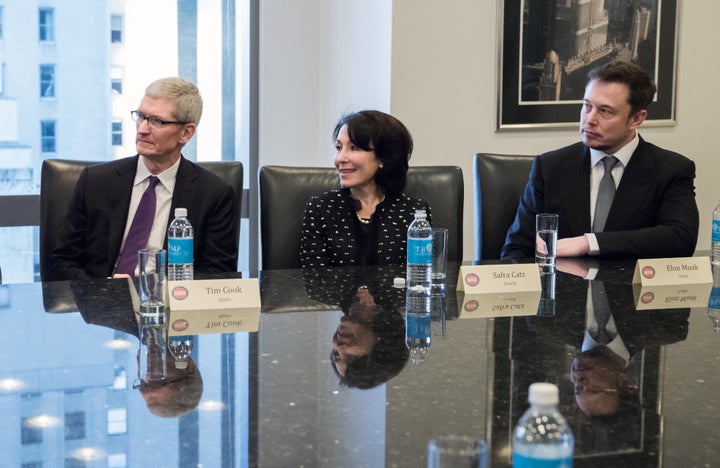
(180, 250)
(418, 326)
(419, 251)
(716, 230)
(521, 461)
(714, 302)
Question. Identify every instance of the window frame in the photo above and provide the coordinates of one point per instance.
(46, 24)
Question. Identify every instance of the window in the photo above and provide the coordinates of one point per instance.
(75, 425)
(116, 85)
(30, 434)
(47, 132)
(2, 22)
(116, 28)
(47, 81)
(117, 421)
(117, 133)
(46, 22)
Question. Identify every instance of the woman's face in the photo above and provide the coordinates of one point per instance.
(350, 341)
(356, 166)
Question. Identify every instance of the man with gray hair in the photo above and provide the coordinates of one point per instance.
(92, 240)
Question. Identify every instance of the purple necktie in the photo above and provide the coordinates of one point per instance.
(139, 230)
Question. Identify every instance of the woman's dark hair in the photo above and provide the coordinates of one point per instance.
(387, 358)
(377, 131)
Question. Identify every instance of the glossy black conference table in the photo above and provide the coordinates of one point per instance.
(272, 398)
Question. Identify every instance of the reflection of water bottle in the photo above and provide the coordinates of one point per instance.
(714, 308)
(715, 245)
(542, 436)
(419, 264)
(180, 347)
(180, 247)
(417, 336)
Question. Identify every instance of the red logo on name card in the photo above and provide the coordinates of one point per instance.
(472, 279)
(180, 325)
(180, 292)
(471, 306)
(648, 272)
(647, 297)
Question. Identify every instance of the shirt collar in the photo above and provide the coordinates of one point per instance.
(623, 154)
(167, 177)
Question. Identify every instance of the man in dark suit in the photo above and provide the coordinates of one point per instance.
(653, 212)
(107, 196)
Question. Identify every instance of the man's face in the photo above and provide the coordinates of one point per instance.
(163, 143)
(606, 123)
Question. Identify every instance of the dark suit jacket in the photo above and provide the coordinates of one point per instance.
(654, 213)
(90, 239)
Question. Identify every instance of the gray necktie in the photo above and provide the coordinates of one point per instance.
(601, 308)
(606, 193)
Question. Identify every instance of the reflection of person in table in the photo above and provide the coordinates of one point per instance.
(177, 394)
(601, 382)
(368, 347)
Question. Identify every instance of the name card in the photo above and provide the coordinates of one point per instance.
(673, 271)
(498, 305)
(671, 297)
(510, 278)
(214, 306)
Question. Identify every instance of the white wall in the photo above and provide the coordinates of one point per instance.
(318, 59)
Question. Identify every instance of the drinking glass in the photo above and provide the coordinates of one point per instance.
(445, 451)
(439, 261)
(152, 281)
(546, 226)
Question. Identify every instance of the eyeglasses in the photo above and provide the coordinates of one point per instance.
(154, 122)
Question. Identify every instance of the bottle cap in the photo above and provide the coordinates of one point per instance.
(180, 212)
(543, 393)
(180, 364)
(399, 283)
(420, 213)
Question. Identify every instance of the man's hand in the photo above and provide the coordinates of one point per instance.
(573, 247)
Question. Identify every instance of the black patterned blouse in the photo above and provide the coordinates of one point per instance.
(332, 234)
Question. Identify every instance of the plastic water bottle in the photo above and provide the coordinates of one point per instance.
(714, 308)
(180, 347)
(542, 436)
(419, 264)
(180, 247)
(418, 283)
(417, 336)
(715, 246)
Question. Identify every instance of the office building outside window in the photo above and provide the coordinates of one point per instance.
(46, 22)
(117, 133)
(47, 131)
(116, 29)
(47, 81)
(2, 21)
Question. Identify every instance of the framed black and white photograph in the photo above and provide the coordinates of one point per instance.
(547, 48)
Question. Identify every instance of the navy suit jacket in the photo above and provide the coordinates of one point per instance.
(654, 213)
(90, 239)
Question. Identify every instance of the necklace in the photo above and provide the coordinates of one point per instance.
(364, 220)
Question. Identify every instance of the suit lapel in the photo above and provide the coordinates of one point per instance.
(185, 188)
(120, 189)
(576, 192)
(633, 188)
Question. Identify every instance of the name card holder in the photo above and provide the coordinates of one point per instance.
(498, 290)
(671, 297)
(673, 271)
(214, 306)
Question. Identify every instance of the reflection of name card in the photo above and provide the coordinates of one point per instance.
(672, 271)
(214, 306)
(510, 278)
(498, 305)
(671, 297)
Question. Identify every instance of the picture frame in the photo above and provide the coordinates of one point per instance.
(543, 64)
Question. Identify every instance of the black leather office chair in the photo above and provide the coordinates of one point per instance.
(284, 191)
(57, 183)
(499, 183)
